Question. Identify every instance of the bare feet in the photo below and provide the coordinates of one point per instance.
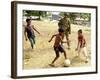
(86, 61)
(52, 65)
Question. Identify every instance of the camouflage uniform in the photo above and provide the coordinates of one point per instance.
(64, 23)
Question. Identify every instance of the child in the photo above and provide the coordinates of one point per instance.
(29, 29)
(57, 45)
(81, 46)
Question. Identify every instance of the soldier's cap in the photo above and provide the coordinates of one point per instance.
(65, 14)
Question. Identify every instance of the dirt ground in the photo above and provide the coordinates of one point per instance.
(43, 54)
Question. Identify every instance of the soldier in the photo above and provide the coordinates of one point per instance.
(65, 24)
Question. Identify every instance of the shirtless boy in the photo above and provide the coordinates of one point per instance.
(57, 45)
(81, 46)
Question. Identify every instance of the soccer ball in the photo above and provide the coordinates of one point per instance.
(67, 63)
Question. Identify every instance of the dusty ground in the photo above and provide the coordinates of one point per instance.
(43, 54)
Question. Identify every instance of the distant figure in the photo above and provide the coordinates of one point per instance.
(65, 24)
(81, 46)
(29, 29)
(57, 45)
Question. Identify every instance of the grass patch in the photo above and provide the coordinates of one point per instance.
(88, 30)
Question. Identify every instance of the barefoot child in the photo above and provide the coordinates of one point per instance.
(29, 29)
(57, 45)
(81, 46)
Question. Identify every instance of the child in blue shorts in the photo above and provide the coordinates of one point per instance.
(29, 32)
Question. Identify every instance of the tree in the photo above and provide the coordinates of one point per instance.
(85, 16)
(72, 16)
(35, 13)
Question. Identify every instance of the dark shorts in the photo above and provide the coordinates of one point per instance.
(58, 49)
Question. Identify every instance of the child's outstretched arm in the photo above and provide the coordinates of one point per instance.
(77, 45)
(63, 41)
(51, 38)
(35, 29)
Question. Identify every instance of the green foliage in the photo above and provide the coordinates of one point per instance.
(73, 16)
(85, 16)
(35, 13)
